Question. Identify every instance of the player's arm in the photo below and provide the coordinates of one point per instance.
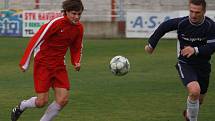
(164, 28)
(76, 50)
(209, 48)
(44, 32)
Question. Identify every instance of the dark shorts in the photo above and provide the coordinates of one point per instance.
(199, 73)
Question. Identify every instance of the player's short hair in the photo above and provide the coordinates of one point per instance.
(72, 5)
(199, 2)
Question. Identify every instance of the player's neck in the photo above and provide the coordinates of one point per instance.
(197, 23)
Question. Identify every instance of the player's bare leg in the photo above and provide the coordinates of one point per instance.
(201, 99)
(61, 99)
(42, 99)
(193, 101)
(33, 102)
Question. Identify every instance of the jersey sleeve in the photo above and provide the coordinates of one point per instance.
(167, 26)
(76, 48)
(209, 48)
(43, 33)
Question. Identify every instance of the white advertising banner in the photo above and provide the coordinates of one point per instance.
(143, 24)
(33, 20)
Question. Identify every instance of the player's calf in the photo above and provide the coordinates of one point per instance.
(185, 115)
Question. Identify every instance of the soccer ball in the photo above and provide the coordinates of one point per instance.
(119, 65)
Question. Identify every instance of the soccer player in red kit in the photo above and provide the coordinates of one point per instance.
(50, 45)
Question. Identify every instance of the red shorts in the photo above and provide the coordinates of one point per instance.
(45, 77)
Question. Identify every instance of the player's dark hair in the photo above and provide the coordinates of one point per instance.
(72, 5)
(199, 2)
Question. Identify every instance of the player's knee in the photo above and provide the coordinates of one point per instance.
(62, 101)
(194, 94)
(41, 103)
(194, 90)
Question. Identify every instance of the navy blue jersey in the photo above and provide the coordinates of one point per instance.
(201, 36)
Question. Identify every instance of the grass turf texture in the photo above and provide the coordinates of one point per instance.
(151, 91)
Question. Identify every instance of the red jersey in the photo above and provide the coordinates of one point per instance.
(52, 41)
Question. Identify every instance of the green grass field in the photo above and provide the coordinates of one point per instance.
(151, 91)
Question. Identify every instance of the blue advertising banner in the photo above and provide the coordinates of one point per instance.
(10, 22)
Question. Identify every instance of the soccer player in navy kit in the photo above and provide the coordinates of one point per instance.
(196, 35)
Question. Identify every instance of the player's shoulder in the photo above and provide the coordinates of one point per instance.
(207, 19)
(209, 23)
(56, 21)
(179, 19)
(80, 26)
(183, 19)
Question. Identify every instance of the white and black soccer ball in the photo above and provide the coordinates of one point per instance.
(119, 65)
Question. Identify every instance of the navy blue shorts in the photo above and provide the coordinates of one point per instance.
(199, 73)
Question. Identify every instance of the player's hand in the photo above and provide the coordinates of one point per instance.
(22, 69)
(187, 51)
(77, 67)
(149, 49)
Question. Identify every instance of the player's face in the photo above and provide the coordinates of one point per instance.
(196, 13)
(74, 16)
